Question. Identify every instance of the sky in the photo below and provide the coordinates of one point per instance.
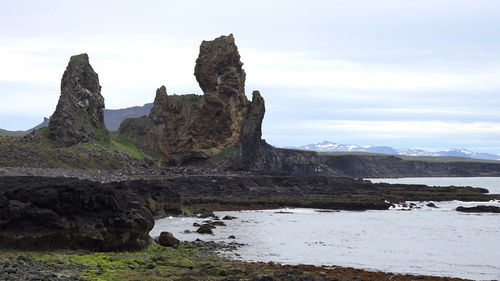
(403, 73)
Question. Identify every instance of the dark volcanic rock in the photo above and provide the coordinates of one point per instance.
(292, 162)
(156, 196)
(229, 218)
(167, 239)
(79, 112)
(205, 229)
(479, 209)
(250, 142)
(372, 166)
(39, 213)
(218, 223)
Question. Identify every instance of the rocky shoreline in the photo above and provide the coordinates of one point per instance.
(182, 191)
(63, 212)
(188, 261)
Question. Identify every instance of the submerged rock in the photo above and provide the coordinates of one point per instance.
(229, 218)
(79, 113)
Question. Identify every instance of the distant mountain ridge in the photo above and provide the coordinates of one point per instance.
(114, 117)
(328, 146)
(11, 133)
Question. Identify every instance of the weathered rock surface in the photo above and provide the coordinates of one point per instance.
(167, 239)
(79, 113)
(155, 195)
(187, 128)
(38, 213)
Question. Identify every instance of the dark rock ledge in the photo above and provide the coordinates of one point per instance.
(38, 213)
(479, 209)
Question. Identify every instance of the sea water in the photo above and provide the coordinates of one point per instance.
(430, 241)
(491, 183)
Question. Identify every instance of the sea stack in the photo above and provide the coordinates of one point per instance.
(79, 116)
(186, 128)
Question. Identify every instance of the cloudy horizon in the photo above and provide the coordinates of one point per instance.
(407, 74)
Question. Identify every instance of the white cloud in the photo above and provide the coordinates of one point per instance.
(404, 129)
(299, 70)
(129, 70)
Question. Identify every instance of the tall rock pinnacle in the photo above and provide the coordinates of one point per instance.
(79, 112)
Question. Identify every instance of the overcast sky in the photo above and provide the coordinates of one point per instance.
(416, 74)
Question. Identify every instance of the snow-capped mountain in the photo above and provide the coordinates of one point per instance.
(327, 146)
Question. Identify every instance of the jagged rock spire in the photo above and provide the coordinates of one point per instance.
(79, 113)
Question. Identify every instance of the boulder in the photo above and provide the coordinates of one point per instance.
(205, 229)
(38, 213)
(167, 239)
(79, 113)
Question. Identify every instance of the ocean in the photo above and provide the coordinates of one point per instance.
(428, 241)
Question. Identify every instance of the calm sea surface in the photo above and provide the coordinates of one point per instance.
(422, 241)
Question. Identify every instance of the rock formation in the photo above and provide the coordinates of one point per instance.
(186, 128)
(79, 113)
(478, 209)
(38, 213)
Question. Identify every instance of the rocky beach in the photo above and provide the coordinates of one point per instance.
(78, 202)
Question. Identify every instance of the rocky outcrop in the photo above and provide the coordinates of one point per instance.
(187, 128)
(479, 209)
(250, 148)
(156, 196)
(79, 113)
(292, 162)
(38, 213)
(380, 166)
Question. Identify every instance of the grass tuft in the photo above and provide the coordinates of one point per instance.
(123, 145)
